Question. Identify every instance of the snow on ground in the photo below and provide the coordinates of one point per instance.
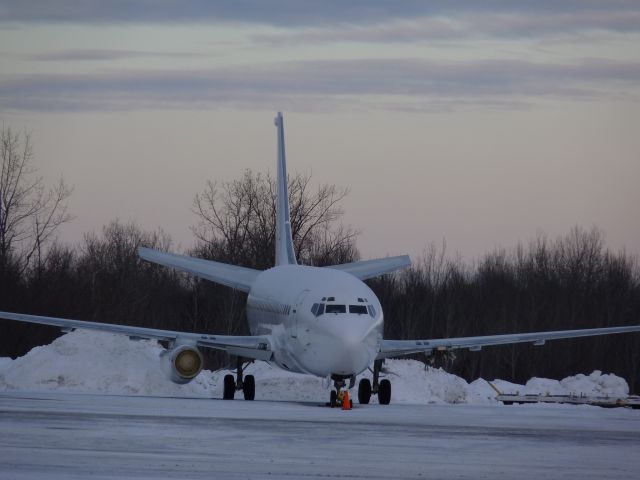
(99, 362)
(72, 436)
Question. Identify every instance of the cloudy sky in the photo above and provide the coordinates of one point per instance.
(478, 123)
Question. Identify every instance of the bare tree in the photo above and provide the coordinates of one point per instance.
(236, 221)
(29, 212)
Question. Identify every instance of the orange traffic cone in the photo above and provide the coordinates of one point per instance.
(346, 403)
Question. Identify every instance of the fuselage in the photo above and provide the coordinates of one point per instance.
(320, 321)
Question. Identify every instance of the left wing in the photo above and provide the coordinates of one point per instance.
(240, 278)
(397, 348)
(256, 347)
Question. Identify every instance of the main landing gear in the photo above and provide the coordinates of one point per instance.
(245, 383)
(381, 388)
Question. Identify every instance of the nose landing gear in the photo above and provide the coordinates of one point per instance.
(336, 398)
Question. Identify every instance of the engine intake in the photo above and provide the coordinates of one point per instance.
(182, 363)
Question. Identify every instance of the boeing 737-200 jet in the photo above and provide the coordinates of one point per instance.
(319, 321)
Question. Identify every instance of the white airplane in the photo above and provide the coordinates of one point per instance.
(320, 321)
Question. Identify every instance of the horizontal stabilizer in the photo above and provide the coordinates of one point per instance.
(374, 268)
(256, 347)
(240, 278)
(398, 348)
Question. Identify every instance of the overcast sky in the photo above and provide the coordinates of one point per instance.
(478, 123)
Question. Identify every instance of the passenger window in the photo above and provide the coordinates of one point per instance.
(372, 311)
(336, 308)
(359, 309)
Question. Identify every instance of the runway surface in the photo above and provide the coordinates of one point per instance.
(73, 436)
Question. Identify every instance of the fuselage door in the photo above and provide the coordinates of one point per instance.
(297, 312)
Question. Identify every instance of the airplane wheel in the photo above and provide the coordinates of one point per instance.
(229, 387)
(333, 399)
(364, 391)
(249, 387)
(384, 392)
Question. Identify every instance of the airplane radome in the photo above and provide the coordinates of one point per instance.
(319, 321)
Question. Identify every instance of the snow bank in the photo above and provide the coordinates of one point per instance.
(597, 384)
(412, 382)
(4, 363)
(84, 361)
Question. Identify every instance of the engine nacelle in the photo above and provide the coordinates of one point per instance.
(182, 363)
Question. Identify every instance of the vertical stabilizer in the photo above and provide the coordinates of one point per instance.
(285, 254)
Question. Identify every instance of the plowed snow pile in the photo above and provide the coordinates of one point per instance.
(84, 361)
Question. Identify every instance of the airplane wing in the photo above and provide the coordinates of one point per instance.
(256, 347)
(240, 278)
(397, 348)
(374, 268)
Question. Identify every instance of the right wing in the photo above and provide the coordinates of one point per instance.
(374, 268)
(398, 348)
(256, 347)
(240, 278)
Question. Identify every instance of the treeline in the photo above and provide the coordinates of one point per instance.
(570, 283)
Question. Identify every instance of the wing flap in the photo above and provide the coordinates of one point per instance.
(374, 268)
(240, 278)
(396, 348)
(255, 347)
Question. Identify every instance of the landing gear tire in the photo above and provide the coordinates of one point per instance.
(364, 391)
(229, 387)
(249, 387)
(333, 399)
(384, 392)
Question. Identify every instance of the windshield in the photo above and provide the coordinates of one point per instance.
(319, 309)
(359, 309)
(333, 308)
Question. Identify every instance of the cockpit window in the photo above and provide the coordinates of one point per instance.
(333, 308)
(317, 309)
(372, 311)
(359, 309)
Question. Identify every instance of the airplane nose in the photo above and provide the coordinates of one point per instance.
(353, 339)
(348, 329)
(353, 335)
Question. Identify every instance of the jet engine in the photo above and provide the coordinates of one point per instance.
(182, 363)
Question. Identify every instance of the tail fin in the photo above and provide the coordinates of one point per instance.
(285, 254)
